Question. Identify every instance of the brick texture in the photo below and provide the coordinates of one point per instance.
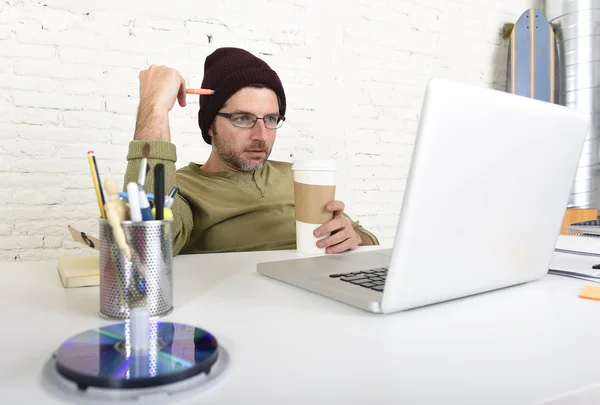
(354, 71)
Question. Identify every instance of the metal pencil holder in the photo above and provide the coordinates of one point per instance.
(144, 281)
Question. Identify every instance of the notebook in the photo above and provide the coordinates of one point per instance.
(79, 271)
(578, 244)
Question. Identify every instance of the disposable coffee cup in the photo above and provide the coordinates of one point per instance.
(314, 187)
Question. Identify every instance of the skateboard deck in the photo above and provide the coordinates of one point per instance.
(532, 57)
(533, 71)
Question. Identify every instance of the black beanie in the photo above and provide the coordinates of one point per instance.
(226, 71)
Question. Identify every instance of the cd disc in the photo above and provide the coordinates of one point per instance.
(103, 357)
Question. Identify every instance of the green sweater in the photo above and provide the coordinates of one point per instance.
(224, 211)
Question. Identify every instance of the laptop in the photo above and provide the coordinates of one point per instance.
(489, 182)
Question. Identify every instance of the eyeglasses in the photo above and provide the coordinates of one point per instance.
(247, 120)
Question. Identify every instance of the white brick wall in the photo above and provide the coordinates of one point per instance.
(354, 72)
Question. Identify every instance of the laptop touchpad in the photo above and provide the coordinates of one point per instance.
(366, 259)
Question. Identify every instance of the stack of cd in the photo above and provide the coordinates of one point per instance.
(103, 361)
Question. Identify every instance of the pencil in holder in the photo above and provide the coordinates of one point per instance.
(145, 280)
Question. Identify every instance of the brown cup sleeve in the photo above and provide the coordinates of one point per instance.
(310, 201)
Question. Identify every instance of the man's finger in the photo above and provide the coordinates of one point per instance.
(328, 227)
(338, 214)
(333, 239)
(341, 247)
(335, 206)
(181, 96)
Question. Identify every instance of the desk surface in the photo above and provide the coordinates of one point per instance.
(528, 344)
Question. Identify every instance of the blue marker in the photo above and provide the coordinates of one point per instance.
(124, 196)
(145, 207)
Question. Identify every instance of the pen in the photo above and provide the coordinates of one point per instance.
(170, 199)
(159, 190)
(144, 206)
(202, 92)
(97, 184)
(144, 166)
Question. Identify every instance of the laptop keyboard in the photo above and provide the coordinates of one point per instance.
(373, 279)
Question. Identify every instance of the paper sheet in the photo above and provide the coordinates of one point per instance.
(591, 293)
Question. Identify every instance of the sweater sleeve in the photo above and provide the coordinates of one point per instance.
(165, 153)
(357, 226)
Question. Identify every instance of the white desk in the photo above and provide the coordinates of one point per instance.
(523, 345)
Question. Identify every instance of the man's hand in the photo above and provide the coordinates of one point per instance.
(343, 237)
(160, 86)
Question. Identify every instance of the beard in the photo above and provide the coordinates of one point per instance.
(232, 156)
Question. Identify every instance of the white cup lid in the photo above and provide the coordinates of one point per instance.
(315, 164)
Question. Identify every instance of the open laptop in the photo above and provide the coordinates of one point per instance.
(489, 183)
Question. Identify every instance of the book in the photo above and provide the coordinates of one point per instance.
(576, 256)
(79, 271)
(575, 265)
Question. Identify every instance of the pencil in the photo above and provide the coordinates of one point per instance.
(97, 184)
(202, 92)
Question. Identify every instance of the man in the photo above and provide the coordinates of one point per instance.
(238, 200)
